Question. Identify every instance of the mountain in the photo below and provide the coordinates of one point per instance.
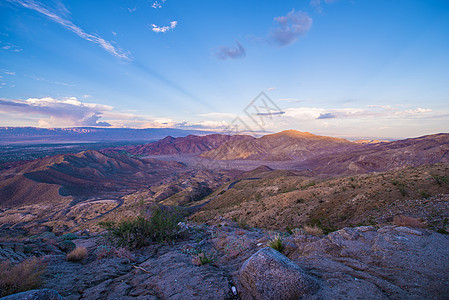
(423, 150)
(10, 135)
(191, 144)
(282, 146)
(84, 174)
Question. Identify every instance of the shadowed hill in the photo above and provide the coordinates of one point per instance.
(83, 174)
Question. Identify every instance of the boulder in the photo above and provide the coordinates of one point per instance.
(268, 274)
(44, 294)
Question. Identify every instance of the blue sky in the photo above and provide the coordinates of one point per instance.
(354, 69)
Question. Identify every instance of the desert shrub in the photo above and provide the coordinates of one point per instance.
(276, 243)
(24, 276)
(440, 179)
(69, 236)
(313, 230)
(408, 221)
(66, 246)
(161, 226)
(403, 189)
(425, 194)
(202, 259)
(77, 254)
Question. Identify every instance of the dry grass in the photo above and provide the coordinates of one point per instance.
(313, 230)
(24, 276)
(276, 243)
(77, 254)
(408, 221)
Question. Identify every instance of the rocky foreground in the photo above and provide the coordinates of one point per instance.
(227, 262)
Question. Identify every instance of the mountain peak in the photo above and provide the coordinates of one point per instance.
(292, 133)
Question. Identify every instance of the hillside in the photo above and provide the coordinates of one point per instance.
(283, 146)
(191, 144)
(424, 150)
(275, 200)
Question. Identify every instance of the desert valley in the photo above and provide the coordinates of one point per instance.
(352, 219)
(254, 150)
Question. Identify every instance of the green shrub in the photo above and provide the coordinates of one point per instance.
(66, 246)
(24, 276)
(440, 179)
(276, 243)
(69, 236)
(161, 226)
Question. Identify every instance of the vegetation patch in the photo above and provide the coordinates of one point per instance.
(24, 276)
(78, 254)
(276, 243)
(161, 226)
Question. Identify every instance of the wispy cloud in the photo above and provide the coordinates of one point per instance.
(163, 29)
(235, 52)
(52, 112)
(59, 15)
(157, 4)
(9, 47)
(47, 80)
(289, 28)
(291, 100)
(9, 72)
(372, 111)
(317, 4)
(131, 10)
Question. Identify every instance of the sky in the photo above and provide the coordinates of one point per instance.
(343, 68)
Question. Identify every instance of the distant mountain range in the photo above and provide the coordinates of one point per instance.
(306, 151)
(191, 144)
(10, 135)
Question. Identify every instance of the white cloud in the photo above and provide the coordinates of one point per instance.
(290, 27)
(163, 29)
(51, 112)
(157, 4)
(235, 52)
(59, 16)
(9, 72)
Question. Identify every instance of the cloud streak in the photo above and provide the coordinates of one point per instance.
(289, 28)
(164, 29)
(59, 17)
(234, 52)
(57, 112)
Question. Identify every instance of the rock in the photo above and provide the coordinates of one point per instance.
(268, 274)
(44, 294)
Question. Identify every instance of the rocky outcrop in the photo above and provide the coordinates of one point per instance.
(369, 263)
(44, 294)
(268, 274)
(391, 262)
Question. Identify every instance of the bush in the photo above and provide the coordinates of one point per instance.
(24, 276)
(69, 236)
(408, 221)
(137, 232)
(276, 243)
(78, 254)
(67, 246)
(201, 259)
(313, 230)
(104, 251)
